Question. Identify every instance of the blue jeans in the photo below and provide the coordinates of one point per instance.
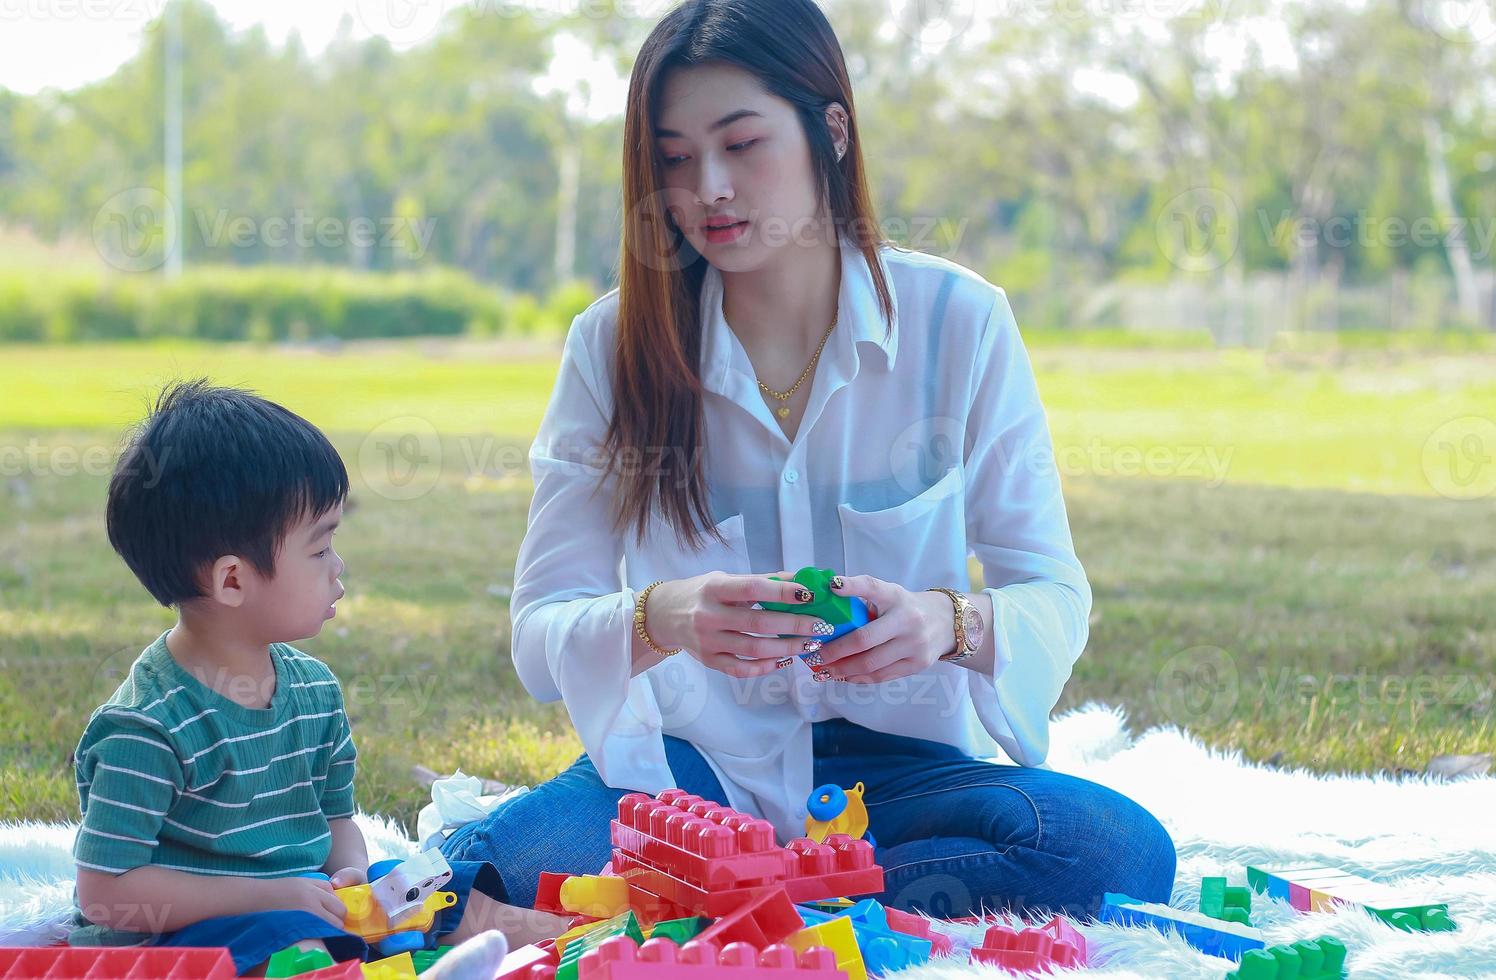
(955, 835)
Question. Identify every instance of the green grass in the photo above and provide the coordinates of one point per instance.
(1312, 595)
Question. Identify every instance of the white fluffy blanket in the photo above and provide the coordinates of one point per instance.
(1223, 814)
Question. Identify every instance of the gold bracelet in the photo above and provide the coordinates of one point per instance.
(639, 622)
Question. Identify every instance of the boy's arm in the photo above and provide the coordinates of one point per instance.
(348, 851)
(156, 899)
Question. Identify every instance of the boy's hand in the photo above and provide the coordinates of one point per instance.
(349, 876)
(312, 895)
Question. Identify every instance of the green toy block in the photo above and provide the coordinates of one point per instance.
(680, 930)
(1415, 918)
(834, 609)
(1221, 901)
(1307, 959)
(291, 962)
(425, 959)
(623, 924)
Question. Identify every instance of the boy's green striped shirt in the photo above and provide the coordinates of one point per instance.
(172, 773)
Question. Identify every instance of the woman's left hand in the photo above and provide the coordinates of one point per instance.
(913, 630)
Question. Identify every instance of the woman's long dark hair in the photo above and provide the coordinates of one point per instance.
(656, 435)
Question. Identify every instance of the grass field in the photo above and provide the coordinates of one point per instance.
(1292, 555)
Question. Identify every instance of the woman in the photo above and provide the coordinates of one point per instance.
(772, 387)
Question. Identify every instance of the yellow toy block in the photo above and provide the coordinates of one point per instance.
(573, 933)
(367, 919)
(400, 967)
(598, 896)
(843, 812)
(837, 936)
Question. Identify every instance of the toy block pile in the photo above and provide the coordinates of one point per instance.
(1319, 889)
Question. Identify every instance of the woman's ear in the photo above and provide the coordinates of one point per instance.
(226, 581)
(839, 125)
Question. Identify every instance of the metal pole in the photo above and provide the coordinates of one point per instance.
(173, 148)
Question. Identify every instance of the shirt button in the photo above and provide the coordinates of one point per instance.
(790, 476)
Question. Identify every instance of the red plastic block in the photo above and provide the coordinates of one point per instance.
(530, 963)
(917, 925)
(1054, 944)
(118, 963)
(767, 918)
(548, 893)
(708, 859)
(661, 959)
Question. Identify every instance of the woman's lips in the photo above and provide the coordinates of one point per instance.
(725, 233)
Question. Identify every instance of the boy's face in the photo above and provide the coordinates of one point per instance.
(299, 599)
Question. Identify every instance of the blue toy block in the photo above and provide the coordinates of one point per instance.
(884, 950)
(1213, 936)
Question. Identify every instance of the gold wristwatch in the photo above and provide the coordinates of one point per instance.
(969, 627)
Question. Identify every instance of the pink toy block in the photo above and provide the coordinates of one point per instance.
(660, 959)
(117, 963)
(766, 919)
(530, 963)
(1055, 944)
(917, 925)
(709, 859)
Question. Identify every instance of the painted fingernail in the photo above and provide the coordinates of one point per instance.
(810, 646)
(820, 676)
(822, 628)
(784, 663)
(813, 658)
(804, 595)
(837, 582)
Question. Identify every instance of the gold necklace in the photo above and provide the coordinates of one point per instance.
(783, 411)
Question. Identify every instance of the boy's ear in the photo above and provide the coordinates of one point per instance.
(226, 581)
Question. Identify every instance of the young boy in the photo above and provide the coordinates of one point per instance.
(221, 771)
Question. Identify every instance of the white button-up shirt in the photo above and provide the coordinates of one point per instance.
(919, 448)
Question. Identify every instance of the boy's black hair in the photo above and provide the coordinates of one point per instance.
(211, 472)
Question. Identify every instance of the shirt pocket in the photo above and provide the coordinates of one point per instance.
(918, 544)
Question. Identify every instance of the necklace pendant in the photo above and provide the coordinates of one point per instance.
(783, 411)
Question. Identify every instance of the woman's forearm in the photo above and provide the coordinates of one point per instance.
(984, 659)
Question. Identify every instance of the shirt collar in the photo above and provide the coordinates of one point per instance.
(858, 306)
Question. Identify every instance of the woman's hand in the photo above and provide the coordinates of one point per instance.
(711, 616)
(913, 630)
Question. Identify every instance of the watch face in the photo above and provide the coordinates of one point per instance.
(972, 623)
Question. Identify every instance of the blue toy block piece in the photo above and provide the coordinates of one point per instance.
(884, 950)
(401, 942)
(379, 869)
(1213, 936)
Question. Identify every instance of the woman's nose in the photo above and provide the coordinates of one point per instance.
(713, 184)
